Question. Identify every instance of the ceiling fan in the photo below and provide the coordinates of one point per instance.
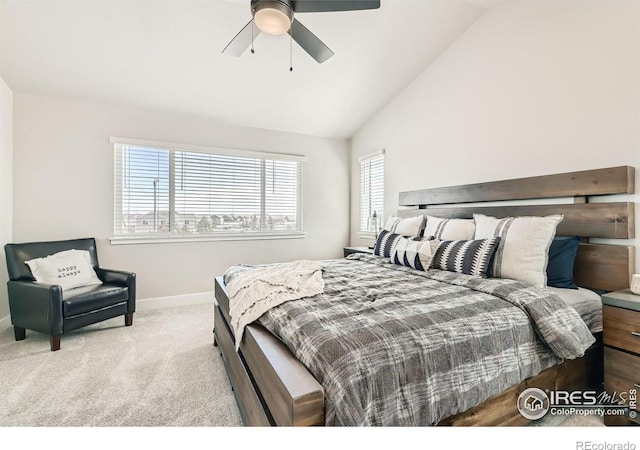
(276, 17)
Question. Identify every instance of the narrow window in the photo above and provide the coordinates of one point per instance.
(371, 193)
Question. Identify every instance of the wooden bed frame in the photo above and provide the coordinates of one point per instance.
(273, 388)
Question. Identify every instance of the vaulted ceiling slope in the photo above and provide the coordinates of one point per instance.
(166, 54)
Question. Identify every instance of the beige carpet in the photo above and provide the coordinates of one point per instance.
(162, 372)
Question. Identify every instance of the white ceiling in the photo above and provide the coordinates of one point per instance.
(166, 54)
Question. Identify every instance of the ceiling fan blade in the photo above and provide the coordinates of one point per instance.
(241, 42)
(303, 6)
(309, 42)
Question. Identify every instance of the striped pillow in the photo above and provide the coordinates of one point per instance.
(523, 253)
(450, 229)
(410, 226)
(415, 253)
(470, 257)
(387, 241)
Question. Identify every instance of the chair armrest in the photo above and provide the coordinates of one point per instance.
(121, 278)
(117, 277)
(36, 306)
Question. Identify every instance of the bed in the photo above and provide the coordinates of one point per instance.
(273, 387)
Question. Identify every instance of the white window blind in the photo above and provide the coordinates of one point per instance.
(179, 193)
(371, 193)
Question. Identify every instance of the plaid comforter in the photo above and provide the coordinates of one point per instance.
(396, 346)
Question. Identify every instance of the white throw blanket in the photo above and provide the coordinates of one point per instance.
(255, 291)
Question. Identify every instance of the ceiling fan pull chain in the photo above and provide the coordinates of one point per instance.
(252, 38)
(290, 53)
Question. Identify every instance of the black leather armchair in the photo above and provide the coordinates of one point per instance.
(48, 309)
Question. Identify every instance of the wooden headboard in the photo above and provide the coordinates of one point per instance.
(598, 266)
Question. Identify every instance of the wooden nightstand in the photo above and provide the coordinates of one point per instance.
(349, 250)
(621, 316)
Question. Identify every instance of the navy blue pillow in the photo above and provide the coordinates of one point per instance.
(562, 255)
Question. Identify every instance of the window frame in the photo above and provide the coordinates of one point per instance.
(173, 237)
(362, 160)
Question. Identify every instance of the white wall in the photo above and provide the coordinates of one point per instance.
(6, 190)
(531, 88)
(63, 188)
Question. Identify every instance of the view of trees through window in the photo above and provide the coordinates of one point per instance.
(174, 192)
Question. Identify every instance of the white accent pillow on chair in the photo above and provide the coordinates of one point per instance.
(68, 269)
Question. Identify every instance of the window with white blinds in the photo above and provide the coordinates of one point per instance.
(179, 193)
(371, 193)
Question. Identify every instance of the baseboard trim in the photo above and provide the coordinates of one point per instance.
(5, 322)
(150, 304)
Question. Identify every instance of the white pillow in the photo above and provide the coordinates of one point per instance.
(68, 269)
(410, 226)
(413, 253)
(450, 229)
(523, 252)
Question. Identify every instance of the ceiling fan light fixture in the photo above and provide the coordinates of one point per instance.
(273, 17)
